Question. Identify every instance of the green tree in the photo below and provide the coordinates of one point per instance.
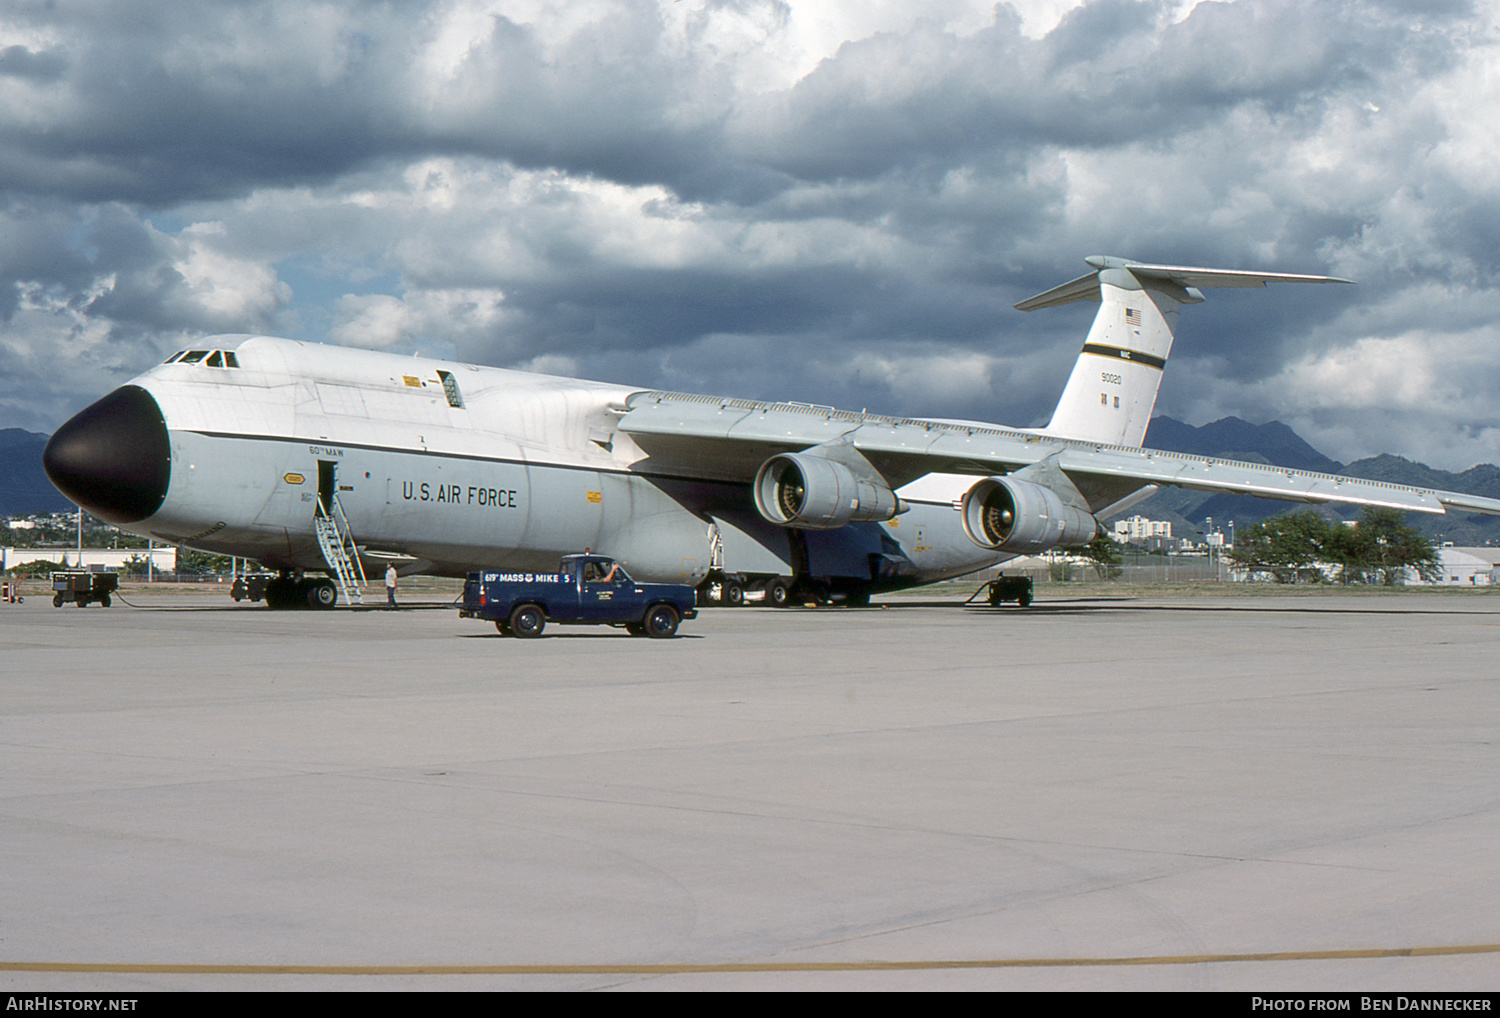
(36, 567)
(1345, 548)
(1383, 547)
(1288, 546)
(1103, 553)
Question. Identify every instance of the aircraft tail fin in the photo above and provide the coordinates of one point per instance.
(1112, 391)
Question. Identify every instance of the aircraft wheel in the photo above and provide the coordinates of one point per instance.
(778, 593)
(322, 594)
(661, 621)
(527, 621)
(280, 593)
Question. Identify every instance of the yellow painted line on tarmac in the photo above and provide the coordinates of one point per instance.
(678, 968)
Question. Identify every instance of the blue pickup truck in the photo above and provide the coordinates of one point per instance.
(586, 589)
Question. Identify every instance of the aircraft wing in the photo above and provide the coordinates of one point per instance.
(729, 439)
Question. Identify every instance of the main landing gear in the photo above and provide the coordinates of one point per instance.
(287, 591)
(720, 591)
(732, 590)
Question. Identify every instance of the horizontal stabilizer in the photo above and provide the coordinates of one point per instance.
(1182, 276)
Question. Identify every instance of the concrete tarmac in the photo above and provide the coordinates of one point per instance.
(1241, 793)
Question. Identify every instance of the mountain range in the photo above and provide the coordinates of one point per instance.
(24, 488)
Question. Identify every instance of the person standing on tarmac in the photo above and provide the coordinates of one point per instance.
(390, 587)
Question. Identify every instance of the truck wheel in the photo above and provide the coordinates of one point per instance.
(527, 621)
(57, 600)
(778, 593)
(104, 600)
(502, 627)
(732, 594)
(661, 621)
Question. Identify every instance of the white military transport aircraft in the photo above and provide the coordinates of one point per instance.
(325, 460)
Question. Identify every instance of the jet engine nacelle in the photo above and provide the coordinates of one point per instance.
(813, 493)
(1006, 514)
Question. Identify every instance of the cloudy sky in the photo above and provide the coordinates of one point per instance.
(833, 201)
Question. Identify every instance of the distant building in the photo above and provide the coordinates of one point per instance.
(1465, 567)
(1138, 529)
(163, 559)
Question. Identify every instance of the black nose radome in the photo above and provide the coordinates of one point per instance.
(113, 458)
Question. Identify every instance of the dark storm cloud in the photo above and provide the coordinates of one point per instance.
(101, 262)
(599, 107)
(650, 309)
(163, 102)
(732, 194)
(42, 66)
(67, 249)
(1104, 77)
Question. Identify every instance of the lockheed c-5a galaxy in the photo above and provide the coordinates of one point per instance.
(326, 460)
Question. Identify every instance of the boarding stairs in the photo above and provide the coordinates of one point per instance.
(339, 551)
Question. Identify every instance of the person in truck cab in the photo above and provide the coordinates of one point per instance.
(593, 572)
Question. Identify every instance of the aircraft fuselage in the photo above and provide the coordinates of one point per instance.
(444, 468)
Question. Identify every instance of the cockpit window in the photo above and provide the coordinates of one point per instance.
(210, 358)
